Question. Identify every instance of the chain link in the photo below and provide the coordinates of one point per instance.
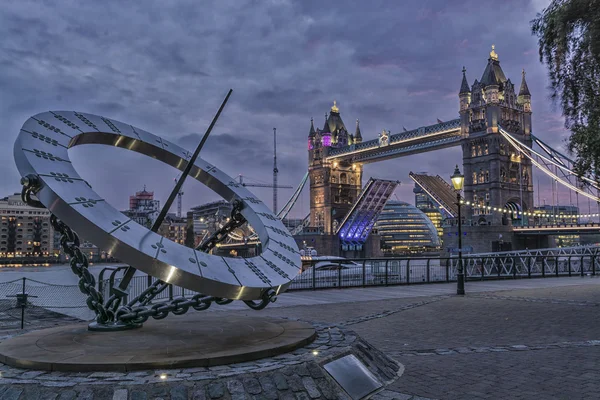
(235, 221)
(69, 242)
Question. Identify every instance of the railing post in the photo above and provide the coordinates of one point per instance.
(408, 271)
(529, 267)
(556, 265)
(483, 268)
(498, 267)
(581, 266)
(339, 275)
(314, 274)
(149, 281)
(543, 267)
(448, 269)
(23, 304)
(386, 272)
(364, 274)
(170, 292)
(428, 271)
(594, 264)
(514, 267)
(569, 265)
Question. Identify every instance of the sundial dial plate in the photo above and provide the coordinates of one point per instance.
(42, 149)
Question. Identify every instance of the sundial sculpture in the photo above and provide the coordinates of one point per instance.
(41, 155)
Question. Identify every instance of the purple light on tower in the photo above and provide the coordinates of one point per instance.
(327, 140)
(310, 144)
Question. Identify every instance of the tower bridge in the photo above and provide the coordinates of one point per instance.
(494, 130)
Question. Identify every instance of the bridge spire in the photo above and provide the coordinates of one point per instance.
(335, 108)
(493, 54)
(357, 134)
(524, 90)
(464, 86)
(312, 129)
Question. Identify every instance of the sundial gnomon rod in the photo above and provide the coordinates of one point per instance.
(163, 213)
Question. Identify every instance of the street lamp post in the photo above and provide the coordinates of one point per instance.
(458, 181)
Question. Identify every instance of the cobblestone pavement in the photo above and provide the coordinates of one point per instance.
(526, 343)
(530, 343)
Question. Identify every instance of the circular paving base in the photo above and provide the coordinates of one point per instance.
(180, 342)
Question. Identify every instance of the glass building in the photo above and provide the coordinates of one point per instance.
(424, 203)
(404, 229)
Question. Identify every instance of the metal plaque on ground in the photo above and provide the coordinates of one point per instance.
(352, 375)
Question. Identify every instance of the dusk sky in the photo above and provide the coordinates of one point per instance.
(166, 67)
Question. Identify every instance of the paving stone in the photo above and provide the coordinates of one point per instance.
(120, 394)
(311, 387)
(252, 386)
(269, 391)
(31, 374)
(12, 393)
(280, 381)
(236, 389)
(302, 396)
(326, 388)
(287, 396)
(138, 395)
(216, 390)
(58, 384)
(179, 392)
(67, 395)
(295, 383)
(199, 393)
(315, 370)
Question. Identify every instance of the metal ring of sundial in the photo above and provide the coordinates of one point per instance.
(42, 149)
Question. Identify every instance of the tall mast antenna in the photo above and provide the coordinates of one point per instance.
(275, 171)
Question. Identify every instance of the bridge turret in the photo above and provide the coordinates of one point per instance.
(524, 100)
(464, 96)
(495, 175)
(357, 134)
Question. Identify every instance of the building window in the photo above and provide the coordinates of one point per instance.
(502, 149)
(486, 149)
(475, 179)
(473, 151)
(343, 178)
(479, 153)
(487, 176)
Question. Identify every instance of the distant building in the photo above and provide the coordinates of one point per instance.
(143, 209)
(404, 229)
(174, 228)
(426, 204)
(24, 231)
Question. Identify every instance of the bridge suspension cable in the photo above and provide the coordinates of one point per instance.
(527, 152)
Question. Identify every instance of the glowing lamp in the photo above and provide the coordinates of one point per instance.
(458, 179)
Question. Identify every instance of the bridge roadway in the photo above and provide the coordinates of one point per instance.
(556, 229)
(426, 138)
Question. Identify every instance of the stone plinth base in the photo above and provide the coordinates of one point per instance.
(169, 343)
(299, 374)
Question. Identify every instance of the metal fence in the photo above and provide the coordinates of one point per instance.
(30, 302)
(26, 302)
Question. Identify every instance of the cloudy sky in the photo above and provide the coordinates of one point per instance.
(166, 66)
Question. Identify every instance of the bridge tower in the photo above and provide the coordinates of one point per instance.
(334, 186)
(495, 175)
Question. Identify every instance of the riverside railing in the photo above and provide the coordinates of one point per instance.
(30, 302)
